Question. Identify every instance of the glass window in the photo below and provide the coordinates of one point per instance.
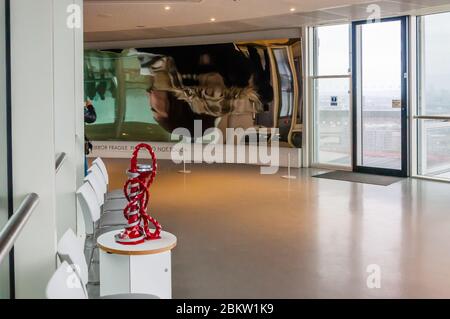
(332, 128)
(435, 65)
(332, 122)
(434, 148)
(332, 46)
(434, 96)
(4, 265)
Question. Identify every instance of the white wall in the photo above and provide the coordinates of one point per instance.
(44, 101)
(163, 151)
(68, 105)
(33, 141)
(64, 108)
(79, 112)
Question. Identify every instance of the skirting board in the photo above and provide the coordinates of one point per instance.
(164, 152)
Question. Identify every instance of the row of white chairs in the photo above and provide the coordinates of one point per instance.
(102, 212)
(71, 278)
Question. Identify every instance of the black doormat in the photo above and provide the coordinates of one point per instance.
(360, 178)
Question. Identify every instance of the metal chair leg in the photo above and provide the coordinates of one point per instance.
(91, 257)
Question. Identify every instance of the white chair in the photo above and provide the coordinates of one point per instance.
(101, 165)
(66, 284)
(95, 223)
(92, 179)
(90, 207)
(114, 194)
(70, 251)
(95, 178)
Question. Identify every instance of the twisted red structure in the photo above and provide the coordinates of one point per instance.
(136, 190)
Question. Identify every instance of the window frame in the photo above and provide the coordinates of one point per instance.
(314, 76)
(418, 116)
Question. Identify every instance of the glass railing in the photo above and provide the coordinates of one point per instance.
(433, 135)
(332, 121)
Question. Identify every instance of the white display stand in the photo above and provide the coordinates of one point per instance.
(144, 269)
(289, 176)
(184, 171)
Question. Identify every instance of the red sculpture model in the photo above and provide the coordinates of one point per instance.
(136, 189)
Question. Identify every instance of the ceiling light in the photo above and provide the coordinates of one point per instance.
(167, 8)
(292, 9)
(213, 19)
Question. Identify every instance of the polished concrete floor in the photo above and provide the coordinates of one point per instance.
(245, 235)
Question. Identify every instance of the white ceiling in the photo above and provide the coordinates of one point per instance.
(127, 15)
(115, 20)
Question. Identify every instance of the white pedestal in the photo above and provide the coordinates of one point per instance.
(184, 171)
(289, 177)
(144, 268)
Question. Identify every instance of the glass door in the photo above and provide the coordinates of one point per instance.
(380, 97)
(4, 159)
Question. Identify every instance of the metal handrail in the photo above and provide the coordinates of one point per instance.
(433, 117)
(60, 159)
(16, 223)
(324, 77)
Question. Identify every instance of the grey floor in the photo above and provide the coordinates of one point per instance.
(245, 235)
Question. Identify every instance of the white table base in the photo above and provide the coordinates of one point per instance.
(143, 274)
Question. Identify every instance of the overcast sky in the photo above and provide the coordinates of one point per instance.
(381, 47)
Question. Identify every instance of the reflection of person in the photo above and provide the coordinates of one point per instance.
(90, 116)
(219, 89)
(172, 113)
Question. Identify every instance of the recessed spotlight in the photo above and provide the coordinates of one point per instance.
(292, 9)
(167, 8)
(213, 19)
